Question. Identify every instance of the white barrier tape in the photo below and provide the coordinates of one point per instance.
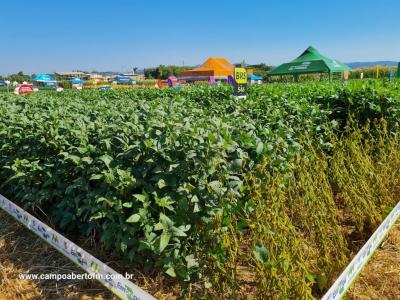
(341, 285)
(118, 285)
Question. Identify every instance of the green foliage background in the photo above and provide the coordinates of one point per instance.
(163, 72)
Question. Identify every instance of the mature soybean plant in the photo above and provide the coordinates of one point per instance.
(159, 176)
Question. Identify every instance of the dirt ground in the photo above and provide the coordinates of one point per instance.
(380, 278)
(23, 252)
(19, 253)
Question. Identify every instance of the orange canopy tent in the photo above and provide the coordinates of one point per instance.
(213, 66)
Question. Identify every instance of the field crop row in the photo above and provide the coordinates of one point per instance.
(179, 181)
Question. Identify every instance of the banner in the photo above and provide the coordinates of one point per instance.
(341, 285)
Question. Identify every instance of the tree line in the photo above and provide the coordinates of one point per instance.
(18, 77)
(163, 71)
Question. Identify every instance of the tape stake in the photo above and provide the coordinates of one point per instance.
(342, 284)
(111, 279)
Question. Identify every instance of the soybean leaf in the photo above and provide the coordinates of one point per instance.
(164, 240)
(133, 219)
(261, 254)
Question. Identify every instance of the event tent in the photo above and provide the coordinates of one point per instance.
(213, 66)
(122, 79)
(77, 80)
(45, 80)
(254, 77)
(310, 61)
(43, 77)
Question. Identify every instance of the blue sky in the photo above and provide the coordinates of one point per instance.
(48, 36)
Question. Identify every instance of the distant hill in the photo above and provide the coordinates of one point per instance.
(388, 63)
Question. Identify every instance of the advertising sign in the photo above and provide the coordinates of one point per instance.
(240, 85)
(240, 75)
(240, 90)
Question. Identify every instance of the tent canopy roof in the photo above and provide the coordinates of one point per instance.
(44, 77)
(310, 61)
(123, 79)
(254, 77)
(77, 80)
(213, 66)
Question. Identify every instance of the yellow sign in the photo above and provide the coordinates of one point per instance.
(240, 75)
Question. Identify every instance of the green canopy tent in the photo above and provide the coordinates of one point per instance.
(310, 61)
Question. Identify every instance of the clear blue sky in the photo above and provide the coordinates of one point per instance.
(48, 36)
